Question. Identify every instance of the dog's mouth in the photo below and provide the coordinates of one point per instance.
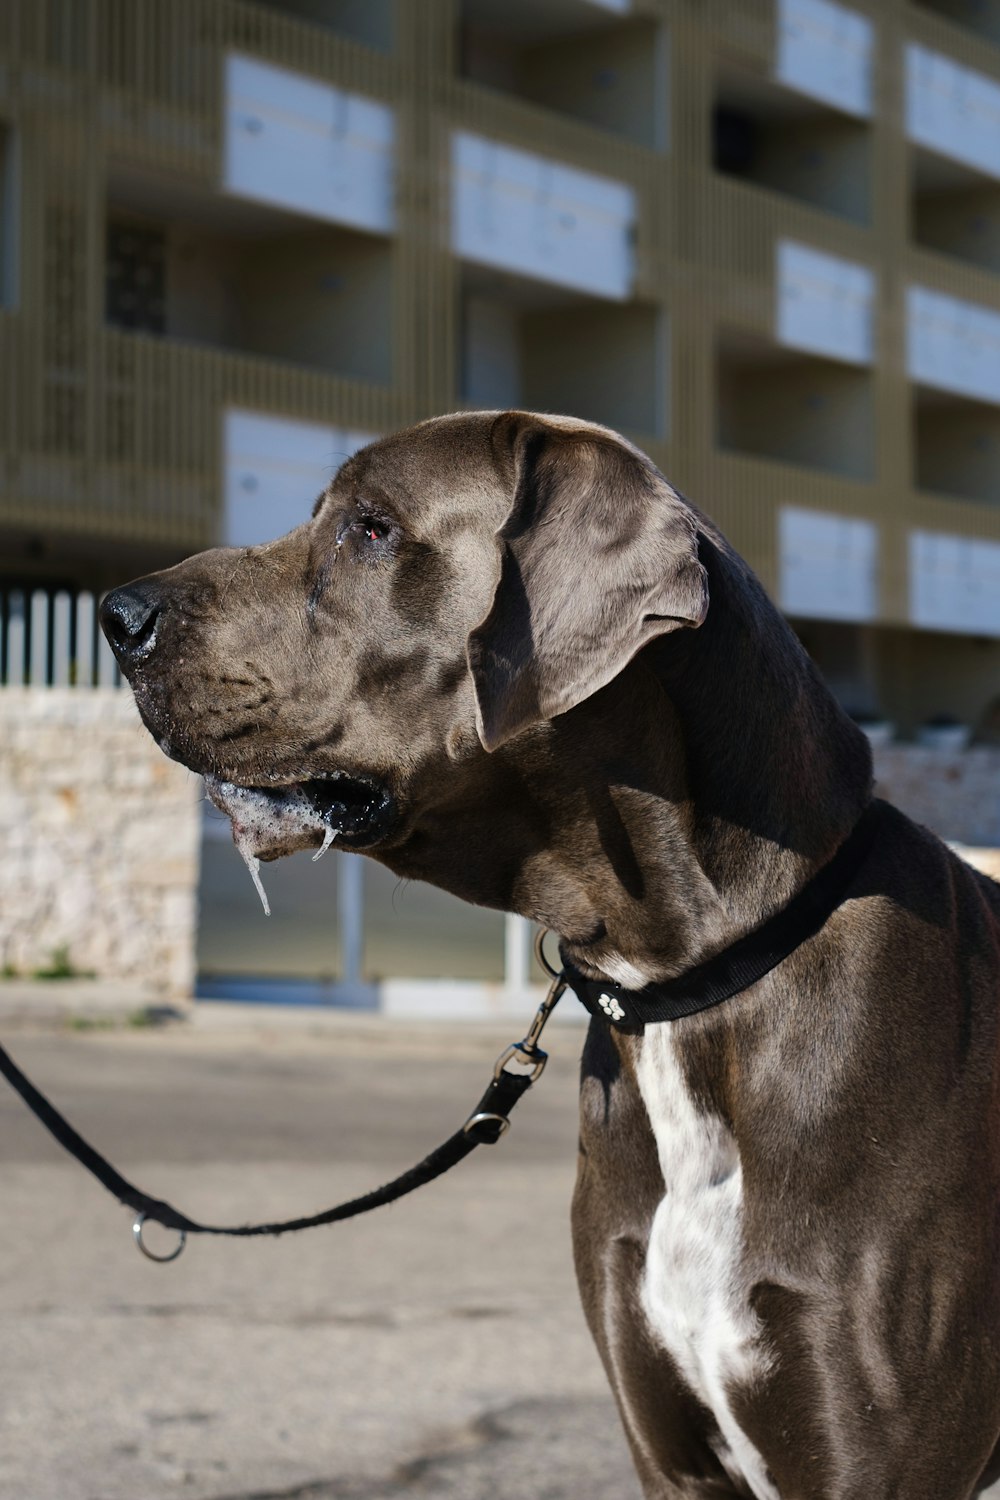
(277, 820)
(271, 821)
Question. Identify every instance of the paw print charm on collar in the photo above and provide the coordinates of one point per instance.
(611, 1007)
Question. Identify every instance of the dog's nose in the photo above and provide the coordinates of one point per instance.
(129, 618)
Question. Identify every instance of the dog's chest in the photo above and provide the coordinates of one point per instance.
(695, 1292)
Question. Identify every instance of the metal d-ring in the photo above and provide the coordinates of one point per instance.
(151, 1254)
(543, 963)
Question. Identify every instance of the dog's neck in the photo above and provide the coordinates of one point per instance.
(668, 814)
(736, 778)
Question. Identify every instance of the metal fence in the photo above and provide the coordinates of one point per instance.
(52, 638)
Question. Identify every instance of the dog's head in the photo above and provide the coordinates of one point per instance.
(459, 585)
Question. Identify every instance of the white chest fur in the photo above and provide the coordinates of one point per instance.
(694, 1290)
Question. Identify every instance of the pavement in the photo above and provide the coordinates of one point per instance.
(434, 1348)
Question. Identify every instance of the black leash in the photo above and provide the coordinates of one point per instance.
(487, 1123)
(728, 973)
(744, 962)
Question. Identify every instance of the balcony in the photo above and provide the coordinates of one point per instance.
(828, 565)
(804, 396)
(532, 345)
(797, 408)
(951, 110)
(536, 217)
(825, 304)
(306, 146)
(953, 345)
(955, 583)
(955, 210)
(956, 446)
(192, 265)
(953, 123)
(575, 58)
(774, 138)
(825, 51)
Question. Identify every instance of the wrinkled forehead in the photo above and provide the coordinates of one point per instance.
(430, 475)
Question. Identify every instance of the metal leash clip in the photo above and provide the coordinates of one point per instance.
(527, 1050)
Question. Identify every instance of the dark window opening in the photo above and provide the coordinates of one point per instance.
(136, 278)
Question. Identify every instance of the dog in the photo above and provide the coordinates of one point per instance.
(506, 657)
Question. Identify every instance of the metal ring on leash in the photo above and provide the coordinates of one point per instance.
(543, 963)
(151, 1254)
(482, 1118)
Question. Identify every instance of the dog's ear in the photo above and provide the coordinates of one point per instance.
(598, 556)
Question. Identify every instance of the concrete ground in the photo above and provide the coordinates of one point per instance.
(435, 1348)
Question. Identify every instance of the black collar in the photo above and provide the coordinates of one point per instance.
(740, 965)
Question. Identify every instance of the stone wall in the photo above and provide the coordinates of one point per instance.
(957, 795)
(99, 835)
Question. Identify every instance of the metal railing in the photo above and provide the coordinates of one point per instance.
(51, 638)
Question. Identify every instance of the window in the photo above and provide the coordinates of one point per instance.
(136, 277)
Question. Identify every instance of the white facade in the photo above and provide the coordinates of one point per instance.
(952, 110)
(826, 51)
(274, 470)
(828, 565)
(308, 146)
(824, 304)
(537, 217)
(954, 583)
(953, 345)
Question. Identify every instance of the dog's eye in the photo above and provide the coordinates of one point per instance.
(371, 528)
(366, 528)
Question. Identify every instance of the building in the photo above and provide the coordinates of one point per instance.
(761, 237)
